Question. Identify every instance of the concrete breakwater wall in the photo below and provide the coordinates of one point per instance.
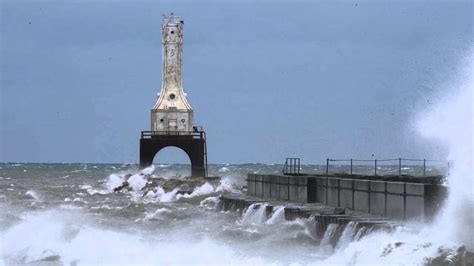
(395, 200)
(329, 223)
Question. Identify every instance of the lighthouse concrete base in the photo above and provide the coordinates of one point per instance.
(192, 143)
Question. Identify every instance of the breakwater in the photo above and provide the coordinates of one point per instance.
(396, 200)
(331, 224)
(342, 206)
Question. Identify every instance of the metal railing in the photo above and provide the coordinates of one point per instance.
(399, 166)
(198, 132)
(292, 166)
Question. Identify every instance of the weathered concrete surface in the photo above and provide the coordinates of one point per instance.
(397, 200)
(320, 189)
(377, 197)
(434, 196)
(259, 185)
(293, 188)
(267, 186)
(361, 195)
(284, 188)
(251, 185)
(172, 111)
(274, 187)
(333, 192)
(302, 190)
(346, 193)
(415, 202)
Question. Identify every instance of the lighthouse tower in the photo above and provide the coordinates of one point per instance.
(172, 111)
(172, 115)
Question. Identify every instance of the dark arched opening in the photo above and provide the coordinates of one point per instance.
(192, 146)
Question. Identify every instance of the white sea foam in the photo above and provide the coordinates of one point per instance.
(137, 182)
(148, 171)
(209, 202)
(169, 196)
(199, 191)
(223, 169)
(64, 237)
(93, 191)
(156, 214)
(114, 181)
(226, 184)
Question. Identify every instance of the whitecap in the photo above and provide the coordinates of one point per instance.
(226, 184)
(199, 191)
(33, 194)
(113, 181)
(223, 170)
(148, 171)
(210, 202)
(137, 182)
(156, 214)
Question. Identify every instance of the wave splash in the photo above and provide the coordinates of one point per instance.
(447, 238)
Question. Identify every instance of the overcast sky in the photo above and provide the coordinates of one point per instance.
(266, 79)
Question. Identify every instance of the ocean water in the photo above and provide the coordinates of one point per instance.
(69, 214)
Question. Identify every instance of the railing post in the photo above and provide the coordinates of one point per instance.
(353, 195)
(370, 194)
(338, 192)
(351, 166)
(449, 166)
(399, 166)
(299, 166)
(291, 166)
(424, 167)
(375, 167)
(327, 166)
(404, 201)
(327, 179)
(385, 201)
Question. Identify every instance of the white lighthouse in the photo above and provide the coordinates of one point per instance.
(172, 112)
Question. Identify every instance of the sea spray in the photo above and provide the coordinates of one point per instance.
(277, 216)
(254, 214)
(451, 123)
(326, 241)
(347, 235)
(113, 181)
(137, 182)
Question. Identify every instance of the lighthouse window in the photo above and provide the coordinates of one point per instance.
(161, 120)
(182, 120)
(172, 32)
(172, 96)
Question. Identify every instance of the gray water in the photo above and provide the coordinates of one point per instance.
(63, 214)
